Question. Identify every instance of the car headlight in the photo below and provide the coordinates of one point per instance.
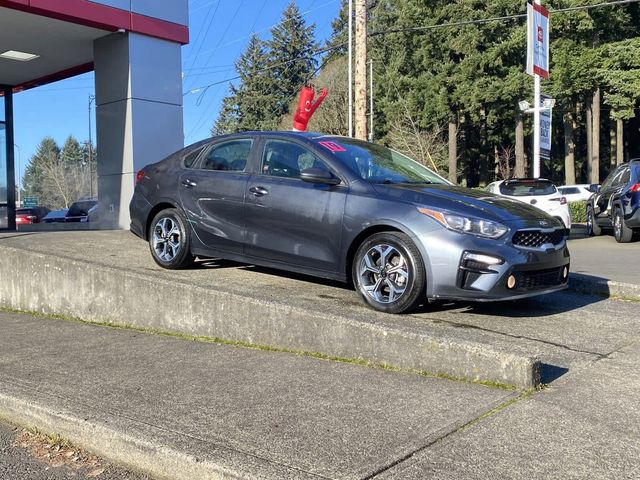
(473, 226)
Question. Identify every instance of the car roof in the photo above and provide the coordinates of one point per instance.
(274, 133)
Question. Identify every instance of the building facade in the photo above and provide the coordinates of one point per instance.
(134, 48)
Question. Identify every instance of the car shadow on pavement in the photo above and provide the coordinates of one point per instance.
(218, 263)
(542, 306)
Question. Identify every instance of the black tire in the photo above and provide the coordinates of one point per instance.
(621, 232)
(403, 268)
(593, 229)
(170, 241)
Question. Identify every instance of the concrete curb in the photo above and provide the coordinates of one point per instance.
(581, 283)
(44, 283)
(113, 444)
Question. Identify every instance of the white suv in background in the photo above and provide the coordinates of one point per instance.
(538, 192)
(576, 193)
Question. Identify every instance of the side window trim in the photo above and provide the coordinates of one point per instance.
(205, 153)
(196, 161)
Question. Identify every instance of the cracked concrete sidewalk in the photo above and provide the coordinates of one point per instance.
(183, 409)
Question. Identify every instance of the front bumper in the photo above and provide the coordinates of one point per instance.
(521, 271)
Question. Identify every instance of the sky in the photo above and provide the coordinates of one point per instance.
(218, 30)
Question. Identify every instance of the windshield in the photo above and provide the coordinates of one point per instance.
(527, 188)
(379, 164)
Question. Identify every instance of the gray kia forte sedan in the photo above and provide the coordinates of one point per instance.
(344, 209)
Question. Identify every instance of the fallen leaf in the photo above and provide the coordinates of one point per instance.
(95, 473)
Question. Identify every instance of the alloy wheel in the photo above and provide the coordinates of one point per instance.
(166, 239)
(384, 273)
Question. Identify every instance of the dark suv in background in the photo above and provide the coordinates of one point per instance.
(615, 204)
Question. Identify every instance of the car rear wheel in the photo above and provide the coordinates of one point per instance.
(621, 232)
(389, 273)
(169, 240)
(593, 229)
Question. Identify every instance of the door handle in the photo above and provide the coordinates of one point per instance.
(188, 183)
(259, 191)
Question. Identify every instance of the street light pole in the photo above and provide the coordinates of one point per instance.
(19, 175)
(91, 99)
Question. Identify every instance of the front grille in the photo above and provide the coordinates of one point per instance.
(533, 279)
(537, 238)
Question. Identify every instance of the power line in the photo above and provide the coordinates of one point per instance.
(202, 118)
(270, 67)
(282, 22)
(206, 31)
(498, 19)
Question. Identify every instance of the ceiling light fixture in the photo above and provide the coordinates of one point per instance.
(20, 56)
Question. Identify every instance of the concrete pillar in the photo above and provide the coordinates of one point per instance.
(138, 114)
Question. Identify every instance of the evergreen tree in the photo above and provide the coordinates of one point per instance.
(254, 97)
(58, 177)
(338, 41)
(292, 63)
(227, 121)
(34, 175)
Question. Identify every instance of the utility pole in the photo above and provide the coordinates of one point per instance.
(371, 99)
(350, 69)
(361, 70)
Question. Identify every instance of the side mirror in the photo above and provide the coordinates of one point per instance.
(319, 175)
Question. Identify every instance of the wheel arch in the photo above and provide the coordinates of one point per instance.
(389, 226)
(158, 207)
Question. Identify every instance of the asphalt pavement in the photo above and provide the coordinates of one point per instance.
(22, 459)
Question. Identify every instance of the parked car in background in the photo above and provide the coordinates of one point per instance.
(29, 215)
(615, 204)
(3, 215)
(539, 192)
(79, 211)
(55, 216)
(344, 209)
(577, 193)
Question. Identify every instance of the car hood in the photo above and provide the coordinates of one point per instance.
(464, 201)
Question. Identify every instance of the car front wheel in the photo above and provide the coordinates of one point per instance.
(389, 273)
(621, 232)
(169, 240)
(593, 229)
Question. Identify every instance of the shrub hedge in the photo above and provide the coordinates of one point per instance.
(578, 211)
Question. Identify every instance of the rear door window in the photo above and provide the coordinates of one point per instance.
(626, 176)
(527, 188)
(229, 156)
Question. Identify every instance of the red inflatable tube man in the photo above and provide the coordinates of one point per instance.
(306, 108)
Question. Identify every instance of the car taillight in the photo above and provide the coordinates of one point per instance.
(139, 175)
(635, 188)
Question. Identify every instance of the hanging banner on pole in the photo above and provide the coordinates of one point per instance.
(537, 40)
(545, 128)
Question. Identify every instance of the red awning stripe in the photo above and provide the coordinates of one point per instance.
(84, 12)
